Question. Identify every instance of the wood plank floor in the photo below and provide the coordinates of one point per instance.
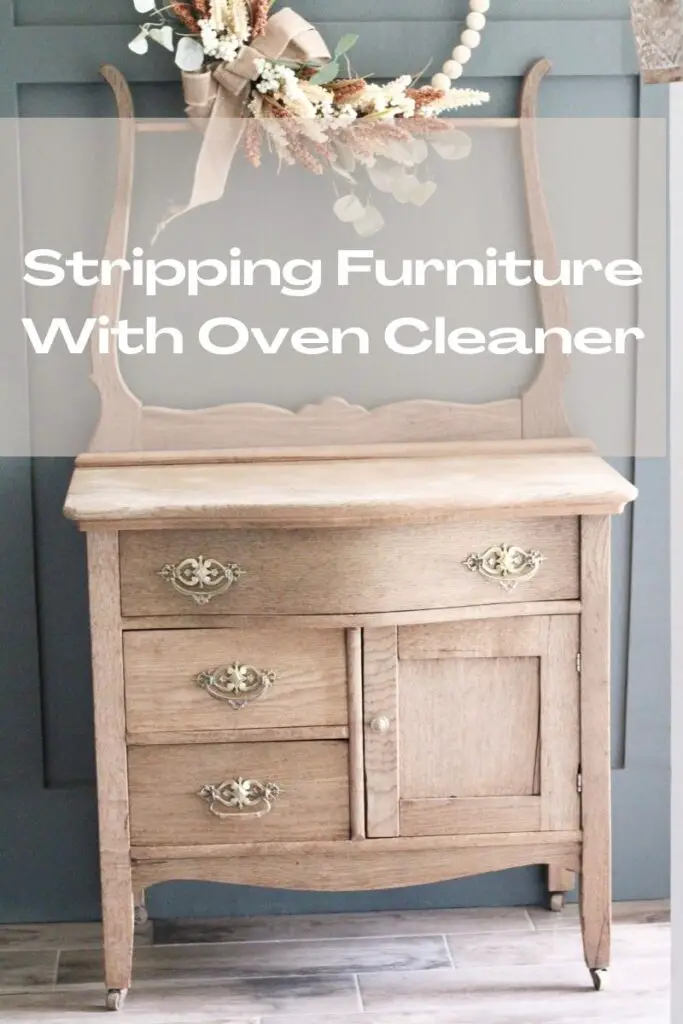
(437, 967)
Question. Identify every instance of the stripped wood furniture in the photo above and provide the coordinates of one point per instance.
(344, 649)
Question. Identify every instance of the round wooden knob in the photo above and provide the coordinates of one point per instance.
(381, 724)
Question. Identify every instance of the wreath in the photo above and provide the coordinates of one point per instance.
(254, 77)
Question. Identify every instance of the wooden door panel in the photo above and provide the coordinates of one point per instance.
(482, 727)
(453, 744)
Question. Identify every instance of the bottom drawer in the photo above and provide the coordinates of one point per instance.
(195, 794)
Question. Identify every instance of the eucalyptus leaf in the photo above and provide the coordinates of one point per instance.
(189, 55)
(345, 44)
(162, 35)
(139, 44)
(422, 193)
(349, 209)
(456, 145)
(327, 73)
(384, 174)
(405, 187)
(370, 223)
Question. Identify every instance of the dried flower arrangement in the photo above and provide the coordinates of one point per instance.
(658, 27)
(274, 74)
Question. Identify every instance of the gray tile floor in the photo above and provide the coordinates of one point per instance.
(438, 967)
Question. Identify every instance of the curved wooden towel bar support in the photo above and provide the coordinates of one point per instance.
(543, 412)
(125, 425)
(120, 411)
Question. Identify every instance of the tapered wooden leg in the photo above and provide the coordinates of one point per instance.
(112, 766)
(560, 882)
(596, 868)
(118, 928)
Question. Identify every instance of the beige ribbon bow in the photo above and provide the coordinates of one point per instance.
(216, 100)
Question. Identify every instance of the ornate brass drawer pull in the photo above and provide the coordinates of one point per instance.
(240, 797)
(201, 578)
(237, 685)
(505, 564)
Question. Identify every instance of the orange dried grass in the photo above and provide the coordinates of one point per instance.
(304, 150)
(259, 17)
(251, 141)
(345, 89)
(426, 95)
(183, 13)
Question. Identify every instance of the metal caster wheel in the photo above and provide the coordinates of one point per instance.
(556, 902)
(115, 998)
(140, 916)
(599, 978)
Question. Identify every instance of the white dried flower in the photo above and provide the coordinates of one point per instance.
(220, 15)
(255, 104)
(403, 105)
(325, 110)
(297, 104)
(321, 100)
(372, 100)
(240, 19)
(222, 46)
(455, 99)
(268, 80)
(277, 79)
(397, 87)
(230, 17)
(345, 115)
(209, 36)
(397, 102)
(315, 93)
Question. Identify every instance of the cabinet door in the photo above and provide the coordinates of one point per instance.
(472, 727)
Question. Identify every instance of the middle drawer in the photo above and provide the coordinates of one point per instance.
(199, 680)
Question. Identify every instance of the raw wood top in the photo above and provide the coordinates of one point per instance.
(348, 492)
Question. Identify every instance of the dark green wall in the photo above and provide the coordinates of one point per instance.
(50, 51)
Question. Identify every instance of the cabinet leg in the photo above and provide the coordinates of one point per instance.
(118, 934)
(140, 915)
(560, 882)
(596, 914)
(112, 765)
(596, 857)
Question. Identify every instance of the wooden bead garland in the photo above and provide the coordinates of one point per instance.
(470, 38)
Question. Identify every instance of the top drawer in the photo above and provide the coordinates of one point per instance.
(347, 571)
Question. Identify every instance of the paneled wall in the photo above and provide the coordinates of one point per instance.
(50, 51)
